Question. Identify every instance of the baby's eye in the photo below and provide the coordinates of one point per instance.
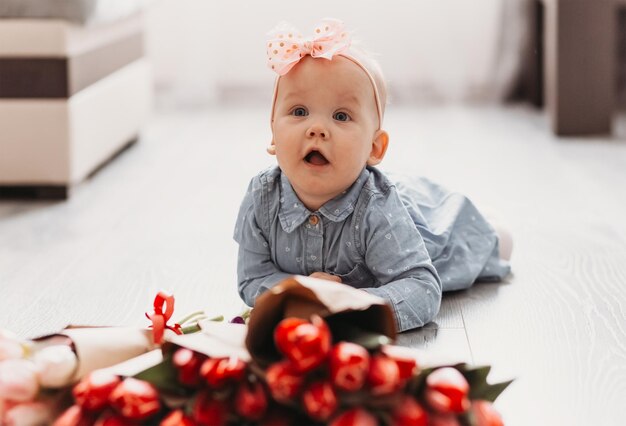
(341, 116)
(299, 112)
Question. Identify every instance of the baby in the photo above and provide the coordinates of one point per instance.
(327, 212)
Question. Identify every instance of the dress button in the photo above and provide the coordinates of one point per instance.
(314, 220)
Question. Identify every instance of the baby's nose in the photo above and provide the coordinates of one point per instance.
(317, 131)
(313, 133)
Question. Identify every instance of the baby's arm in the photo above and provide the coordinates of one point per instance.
(396, 255)
(256, 272)
(325, 276)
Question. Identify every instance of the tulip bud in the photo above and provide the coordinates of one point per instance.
(250, 400)
(485, 415)
(111, 419)
(28, 413)
(283, 381)
(349, 365)
(219, 371)
(177, 418)
(305, 344)
(93, 391)
(10, 346)
(18, 380)
(438, 419)
(383, 376)
(74, 416)
(354, 417)
(447, 390)
(408, 412)
(209, 411)
(56, 365)
(5, 406)
(188, 364)
(135, 399)
(320, 400)
(404, 357)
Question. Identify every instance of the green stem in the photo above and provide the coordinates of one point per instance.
(194, 328)
(257, 370)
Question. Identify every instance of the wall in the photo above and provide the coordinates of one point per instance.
(209, 51)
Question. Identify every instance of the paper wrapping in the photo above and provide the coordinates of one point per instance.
(300, 296)
(215, 340)
(128, 351)
(101, 347)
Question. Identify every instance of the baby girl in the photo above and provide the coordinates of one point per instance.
(327, 212)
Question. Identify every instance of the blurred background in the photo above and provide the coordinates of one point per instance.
(208, 52)
(56, 57)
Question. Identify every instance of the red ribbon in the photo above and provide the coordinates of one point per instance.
(159, 318)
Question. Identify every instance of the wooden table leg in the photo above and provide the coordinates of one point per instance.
(579, 65)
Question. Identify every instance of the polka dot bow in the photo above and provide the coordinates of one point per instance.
(286, 46)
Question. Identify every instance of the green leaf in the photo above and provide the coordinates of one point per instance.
(491, 392)
(372, 341)
(343, 331)
(164, 377)
(475, 376)
(479, 388)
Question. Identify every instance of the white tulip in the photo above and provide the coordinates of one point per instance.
(56, 365)
(18, 380)
(10, 346)
(29, 414)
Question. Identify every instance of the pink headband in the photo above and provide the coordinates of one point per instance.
(286, 46)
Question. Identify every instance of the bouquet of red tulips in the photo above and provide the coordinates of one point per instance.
(313, 353)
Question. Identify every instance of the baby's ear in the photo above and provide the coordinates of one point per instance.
(379, 148)
(271, 149)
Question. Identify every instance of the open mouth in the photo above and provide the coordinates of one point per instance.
(316, 158)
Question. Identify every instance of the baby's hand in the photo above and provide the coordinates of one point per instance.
(325, 276)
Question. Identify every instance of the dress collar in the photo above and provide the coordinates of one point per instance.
(292, 213)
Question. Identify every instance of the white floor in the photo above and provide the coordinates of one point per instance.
(161, 216)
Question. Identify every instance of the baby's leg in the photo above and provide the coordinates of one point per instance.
(506, 242)
(505, 238)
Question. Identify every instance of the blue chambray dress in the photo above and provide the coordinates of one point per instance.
(463, 246)
(403, 239)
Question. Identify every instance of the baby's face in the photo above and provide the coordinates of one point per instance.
(325, 127)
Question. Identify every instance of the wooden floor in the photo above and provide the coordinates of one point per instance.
(161, 216)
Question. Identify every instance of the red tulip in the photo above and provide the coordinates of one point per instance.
(251, 400)
(354, 417)
(111, 419)
(209, 411)
(188, 364)
(447, 390)
(219, 371)
(135, 399)
(284, 381)
(408, 412)
(74, 416)
(438, 419)
(320, 400)
(93, 391)
(383, 376)
(485, 415)
(177, 418)
(349, 365)
(305, 344)
(404, 357)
